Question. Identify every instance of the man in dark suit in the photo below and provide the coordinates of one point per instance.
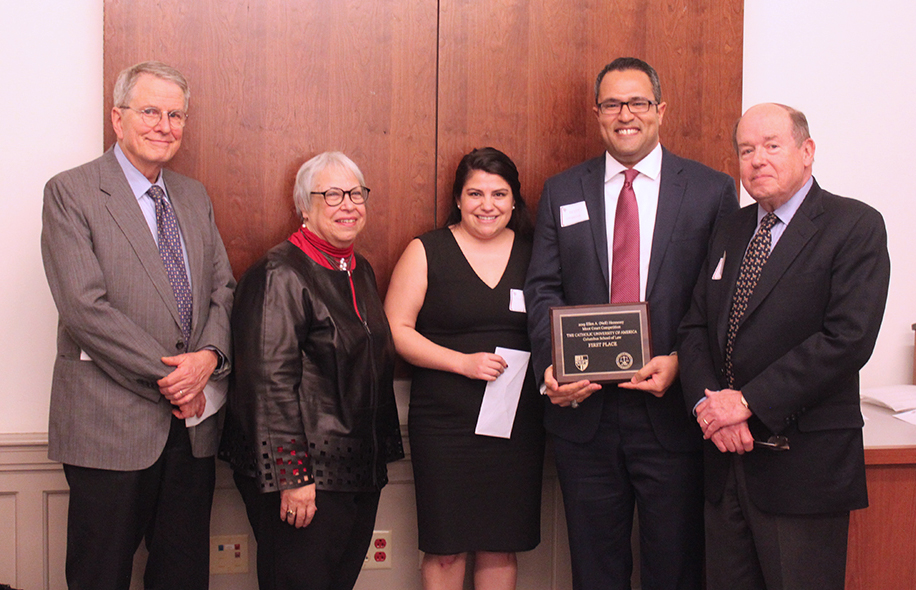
(786, 312)
(617, 447)
(143, 287)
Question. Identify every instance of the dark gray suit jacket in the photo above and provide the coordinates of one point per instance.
(118, 309)
(810, 325)
(569, 266)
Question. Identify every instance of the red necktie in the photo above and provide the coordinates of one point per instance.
(625, 267)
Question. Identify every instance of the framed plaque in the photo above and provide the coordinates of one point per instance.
(602, 343)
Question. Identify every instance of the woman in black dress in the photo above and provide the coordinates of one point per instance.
(455, 295)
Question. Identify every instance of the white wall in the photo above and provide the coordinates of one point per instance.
(51, 107)
(848, 67)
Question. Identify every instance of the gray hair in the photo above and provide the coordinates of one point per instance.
(127, 79)
(305, 178)
(800, 130)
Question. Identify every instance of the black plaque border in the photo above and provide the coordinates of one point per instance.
(605, 310)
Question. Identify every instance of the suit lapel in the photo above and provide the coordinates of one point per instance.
(593, 195)
(796, 235)
(735, 248)
(670, 196)
(124, 209)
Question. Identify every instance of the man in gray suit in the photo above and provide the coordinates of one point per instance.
(143, 287)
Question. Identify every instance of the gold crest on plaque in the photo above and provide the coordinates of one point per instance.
(581, 361)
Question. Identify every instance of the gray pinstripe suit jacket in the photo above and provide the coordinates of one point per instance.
(117, 307)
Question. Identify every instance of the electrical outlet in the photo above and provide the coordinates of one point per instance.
(380, 550)
(229, 554)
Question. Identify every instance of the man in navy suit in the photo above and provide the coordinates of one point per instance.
(772, 367)
(630, 445)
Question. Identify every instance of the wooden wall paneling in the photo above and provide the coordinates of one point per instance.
(520, 76)
(54, 545)
(273, 84)
(33, 514)
(697, 48)
(509, 77)
(882, 536)
(8, 541)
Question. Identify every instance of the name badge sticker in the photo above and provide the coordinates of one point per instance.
(517, 300)
(573, 213)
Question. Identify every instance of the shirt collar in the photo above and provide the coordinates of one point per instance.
(787, 210)
(650, 166)
(139, 184)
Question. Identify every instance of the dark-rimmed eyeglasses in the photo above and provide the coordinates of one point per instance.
(334, 196)
(637, 106)
(152, 115)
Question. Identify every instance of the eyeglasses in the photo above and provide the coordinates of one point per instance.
(152, 115)
(637, 106)
(335, 196)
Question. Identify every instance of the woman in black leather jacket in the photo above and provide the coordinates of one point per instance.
(312, 420)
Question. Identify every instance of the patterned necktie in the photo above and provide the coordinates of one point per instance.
(625, 267)
(173, 257)
(754, 259)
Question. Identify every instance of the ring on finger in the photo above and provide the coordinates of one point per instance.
(574, 404)
(705, 421)
(290, 513)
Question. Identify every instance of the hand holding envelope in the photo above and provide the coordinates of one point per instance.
(500, 398)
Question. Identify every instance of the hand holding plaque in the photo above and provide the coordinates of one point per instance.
(602, 343)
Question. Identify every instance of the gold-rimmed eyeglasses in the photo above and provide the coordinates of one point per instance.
(152, 115)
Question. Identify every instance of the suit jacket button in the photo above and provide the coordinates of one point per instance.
(180, 345)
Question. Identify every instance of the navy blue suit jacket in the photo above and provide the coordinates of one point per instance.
(569, 266)
(810, 325)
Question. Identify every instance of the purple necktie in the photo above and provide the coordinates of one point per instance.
(173, 257)
(754, 259)
(625, 267)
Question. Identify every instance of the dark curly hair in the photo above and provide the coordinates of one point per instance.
(492, 161)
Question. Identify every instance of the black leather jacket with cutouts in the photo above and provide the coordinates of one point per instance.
(311, 393)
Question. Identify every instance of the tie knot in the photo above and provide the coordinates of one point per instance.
(629, 175)
(156, 193)
(769, 220)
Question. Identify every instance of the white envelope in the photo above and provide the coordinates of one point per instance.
(500, 398)
(215, 392)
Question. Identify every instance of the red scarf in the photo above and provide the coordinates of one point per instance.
(323, 252)
(327, 256)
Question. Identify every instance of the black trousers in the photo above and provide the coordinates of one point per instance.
(326, 555)
(602, 480)
(748, 549)
(168, 504)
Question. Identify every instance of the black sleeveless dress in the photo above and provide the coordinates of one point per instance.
(474, 493)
